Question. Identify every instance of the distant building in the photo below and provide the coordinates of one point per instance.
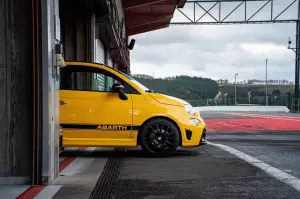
(143, 76)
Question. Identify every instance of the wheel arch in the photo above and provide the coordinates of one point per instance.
(160, 117)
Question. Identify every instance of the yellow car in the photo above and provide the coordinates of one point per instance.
(103, 107)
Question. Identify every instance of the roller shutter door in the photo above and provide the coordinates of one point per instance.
(100, 52)
(99, 82)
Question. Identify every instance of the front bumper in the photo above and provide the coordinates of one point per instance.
(193, 136)
(203, 141)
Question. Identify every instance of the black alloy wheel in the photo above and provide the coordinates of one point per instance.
(159, 137)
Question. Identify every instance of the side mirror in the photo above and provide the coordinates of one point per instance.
(117, 88)
(123, 96)
(120, 89)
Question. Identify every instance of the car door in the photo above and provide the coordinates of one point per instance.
(91, 114)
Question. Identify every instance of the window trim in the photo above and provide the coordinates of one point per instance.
(91, 69)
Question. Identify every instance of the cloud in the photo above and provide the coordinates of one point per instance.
(216, 51)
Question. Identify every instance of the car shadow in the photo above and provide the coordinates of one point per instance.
(126, 153)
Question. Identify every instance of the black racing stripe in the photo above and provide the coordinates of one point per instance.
(135, 128)
(93, 126)
(79, 126)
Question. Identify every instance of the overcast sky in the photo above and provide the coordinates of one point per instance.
(218, 51)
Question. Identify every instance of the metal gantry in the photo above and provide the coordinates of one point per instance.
(247, 18)
(219, 19)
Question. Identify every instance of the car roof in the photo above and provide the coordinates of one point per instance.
(82, 63)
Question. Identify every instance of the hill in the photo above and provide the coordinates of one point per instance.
(201, 91)
(184, 87)
(256, 90)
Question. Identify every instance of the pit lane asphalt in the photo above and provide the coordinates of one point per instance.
(280, 149)
(209, 172)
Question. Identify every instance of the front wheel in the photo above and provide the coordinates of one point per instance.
(159, 137)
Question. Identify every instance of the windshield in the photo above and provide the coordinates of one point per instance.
(136, 82)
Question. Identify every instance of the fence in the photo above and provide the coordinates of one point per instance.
(296, 105)
(292, 104)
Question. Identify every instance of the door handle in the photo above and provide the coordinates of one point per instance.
(63, 102)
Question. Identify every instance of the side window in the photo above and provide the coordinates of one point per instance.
(90, 79)
(98, 82)
(74, 80)
(104, 81)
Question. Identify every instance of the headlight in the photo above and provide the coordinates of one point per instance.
(194, 122)
(189, 109)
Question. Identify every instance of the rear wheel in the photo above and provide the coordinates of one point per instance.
(159, 137)
(60, 139)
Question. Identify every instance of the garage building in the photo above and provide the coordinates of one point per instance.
(35, 36)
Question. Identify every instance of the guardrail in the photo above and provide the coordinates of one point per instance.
(292, 103)
(244, 108)
(279, 101)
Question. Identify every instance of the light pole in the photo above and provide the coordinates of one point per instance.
(236, 74)
(249, 97)
(296, 50)
(267, 82)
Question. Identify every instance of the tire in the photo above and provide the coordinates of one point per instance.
(61, 138)
(159, 137)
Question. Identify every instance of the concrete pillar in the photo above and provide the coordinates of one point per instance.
(50, 25)
(16, 92)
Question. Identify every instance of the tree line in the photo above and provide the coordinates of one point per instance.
(194, 88)
(183, 86)
(256, 82)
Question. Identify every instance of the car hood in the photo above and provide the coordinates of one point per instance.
(166, 99)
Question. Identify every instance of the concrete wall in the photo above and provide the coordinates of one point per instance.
(16, 83)
(121, 14)
(75, 21)
(16, 92)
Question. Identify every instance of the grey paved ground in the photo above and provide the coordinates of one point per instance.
(280, 154)
(79, 186)
(204, 172)
(280, 149)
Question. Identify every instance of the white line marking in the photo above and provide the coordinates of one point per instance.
(71, 148)
(277, 173)
(61, 159)
(223, 123)
(79, 164)
(287, 170)
(279, 116)
(90, 149)
(48, 192)
(12, 191)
